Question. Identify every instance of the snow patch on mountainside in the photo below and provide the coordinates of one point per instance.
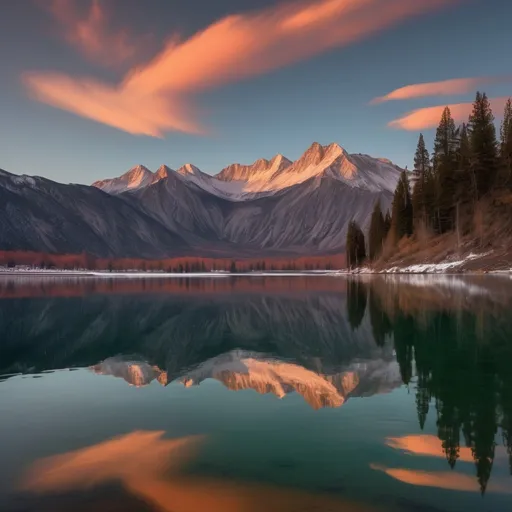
(192, 174)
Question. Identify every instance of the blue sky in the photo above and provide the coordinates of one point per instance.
(304, 96)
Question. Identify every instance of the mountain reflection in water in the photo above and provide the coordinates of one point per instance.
(446, 339)
(240, 369)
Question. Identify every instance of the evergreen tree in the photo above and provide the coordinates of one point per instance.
(421, 171)
(445, 164)
(466, 191)
(421, 158)
(422, 402)
(403, 337)
(401, 219)
(380, 322)
(351, 245)
(355, 246)
(356, 302)
(387, 223)
(377, 233)
(361, 246)
(484, 161)
(465, 197)
(430, 194)
(506, 147)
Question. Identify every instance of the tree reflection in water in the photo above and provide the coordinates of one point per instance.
(454, 342)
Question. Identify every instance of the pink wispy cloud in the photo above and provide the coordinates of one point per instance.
(90, 31)
(156, 97)
(428, 117)
(442, 88)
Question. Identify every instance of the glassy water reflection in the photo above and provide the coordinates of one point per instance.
(244, 394)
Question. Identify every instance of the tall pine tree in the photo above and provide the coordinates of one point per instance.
(355, 246)
(466, 190)
(401, 217)
(484, 158)
(387, 223)
(377, 233)
(421, 172)
(445, 164)
(506, 147)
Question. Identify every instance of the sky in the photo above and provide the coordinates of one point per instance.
(90, 88)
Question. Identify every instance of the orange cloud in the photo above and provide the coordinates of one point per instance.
(154, 98)
(129, 110)
(90, 32)
(431, 446)
(442, 480)
(122, 458)
(141, 461)
(425, 445)
(426, 118)
(443, 88)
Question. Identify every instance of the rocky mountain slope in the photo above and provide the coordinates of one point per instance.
(272, 207)
(37, 214)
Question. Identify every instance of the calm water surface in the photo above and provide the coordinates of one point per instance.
(250, 394)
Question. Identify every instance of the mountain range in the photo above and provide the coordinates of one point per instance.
(272, 207)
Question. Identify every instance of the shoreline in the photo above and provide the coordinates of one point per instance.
(215, 275)
(153, 275)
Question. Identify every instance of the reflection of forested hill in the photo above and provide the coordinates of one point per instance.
(453, 336)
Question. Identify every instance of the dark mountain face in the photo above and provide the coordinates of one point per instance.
(270, 208)
(309, 218)
(40, 215)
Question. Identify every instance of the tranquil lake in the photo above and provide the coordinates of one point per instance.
(256, 394)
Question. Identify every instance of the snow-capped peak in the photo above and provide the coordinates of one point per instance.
(189, 169)
(280, 160)
(137, 177)
(137, 174)
(162, 172)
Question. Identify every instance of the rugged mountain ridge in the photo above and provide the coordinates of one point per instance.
(241, 182)
(270, 208)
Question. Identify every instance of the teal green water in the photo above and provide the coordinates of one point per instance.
(299, 393)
